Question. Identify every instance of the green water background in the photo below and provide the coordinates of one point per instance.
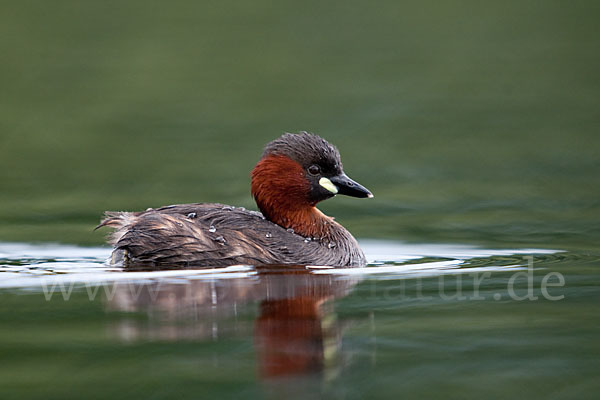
(471, 121)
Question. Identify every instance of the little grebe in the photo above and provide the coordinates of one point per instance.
(296, 172)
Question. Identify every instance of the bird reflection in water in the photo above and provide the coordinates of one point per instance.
(295, 333)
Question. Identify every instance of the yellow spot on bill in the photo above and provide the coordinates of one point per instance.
(327, 184)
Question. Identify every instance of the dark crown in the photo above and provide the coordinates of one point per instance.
(306, 149)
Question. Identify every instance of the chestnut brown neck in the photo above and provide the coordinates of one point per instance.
(282, 193)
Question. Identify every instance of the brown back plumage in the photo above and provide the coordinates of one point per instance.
(219, 235)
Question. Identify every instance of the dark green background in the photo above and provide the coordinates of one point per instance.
(470, 121)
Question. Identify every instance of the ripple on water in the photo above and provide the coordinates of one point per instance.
(29, 265)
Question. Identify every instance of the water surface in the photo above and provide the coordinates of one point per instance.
(429, 320)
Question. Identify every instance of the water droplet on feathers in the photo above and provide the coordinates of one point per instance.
(221, 239)
(212, 229)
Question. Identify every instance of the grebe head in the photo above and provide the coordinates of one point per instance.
(296, 172)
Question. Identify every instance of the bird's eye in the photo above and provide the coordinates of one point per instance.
(314, 169)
